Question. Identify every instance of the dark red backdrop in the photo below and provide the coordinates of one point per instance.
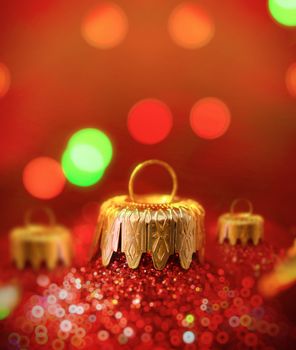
(61, 84)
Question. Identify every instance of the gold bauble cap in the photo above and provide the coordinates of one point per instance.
(241, 226)
(159, 224)
(36, 243)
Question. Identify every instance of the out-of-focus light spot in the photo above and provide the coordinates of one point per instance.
(190, 318)
(118, 315)
(128, 332)
(85, 139)
(58, 344)
(80, 309)
(63, 294)
(66, 326)
(4, 313)
(9, 299)
(77, 176)
(105, 26)
(40, 330)
(283, 11)
(291, 79)
(4, 79)
(86, 157)
(72, 309)
(103, 335)
(38, 311)
(88, 153)
(43, 178)
(150, 121)
(43, 281)
(190, 26)
(210, 118)
(41, 340)
(136, 301)
(188, 337)
(51, 299)
(60, 312)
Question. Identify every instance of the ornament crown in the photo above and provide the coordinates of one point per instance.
(241, 226)
(37, 243)
(159, 224)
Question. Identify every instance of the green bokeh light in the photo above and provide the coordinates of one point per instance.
(76, 176)
(283, 11)
(189, 318)
(4, 313)
(95, 139)
(86, 157)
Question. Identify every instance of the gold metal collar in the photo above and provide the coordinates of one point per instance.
(159, 224)
(240, 226)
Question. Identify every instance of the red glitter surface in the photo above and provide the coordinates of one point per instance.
(217, 303)
(116, 307)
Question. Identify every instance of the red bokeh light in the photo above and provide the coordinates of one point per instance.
(43, 178)
(190, 26)
(210, 118)
(150, 121)
(105, 26)
(4, 79)
(291, 79)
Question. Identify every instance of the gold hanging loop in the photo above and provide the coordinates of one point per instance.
(49, 213)
(143, 165)
(237, 201)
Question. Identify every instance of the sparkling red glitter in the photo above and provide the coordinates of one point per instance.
(108, 308)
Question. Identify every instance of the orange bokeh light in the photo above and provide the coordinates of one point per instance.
(4, 79)
(291, 79)
(150, 121)
(105, 26)
(43, 178)
(210, 118)
(190, 26)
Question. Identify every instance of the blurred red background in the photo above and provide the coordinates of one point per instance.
(60, 83)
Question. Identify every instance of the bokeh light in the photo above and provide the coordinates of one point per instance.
(291, 79)
(4, 79)
(190, 26)
(91, 144)
(77, 176)
(43, 178)
(150, 121)
(283, 11)
(210, 118)
(4, 313)
(9, 299)
(86, 157)
(105, 26)
(89, 151)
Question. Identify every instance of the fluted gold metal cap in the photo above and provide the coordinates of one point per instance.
(159, 224)
(38, 243)
(243, 226)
